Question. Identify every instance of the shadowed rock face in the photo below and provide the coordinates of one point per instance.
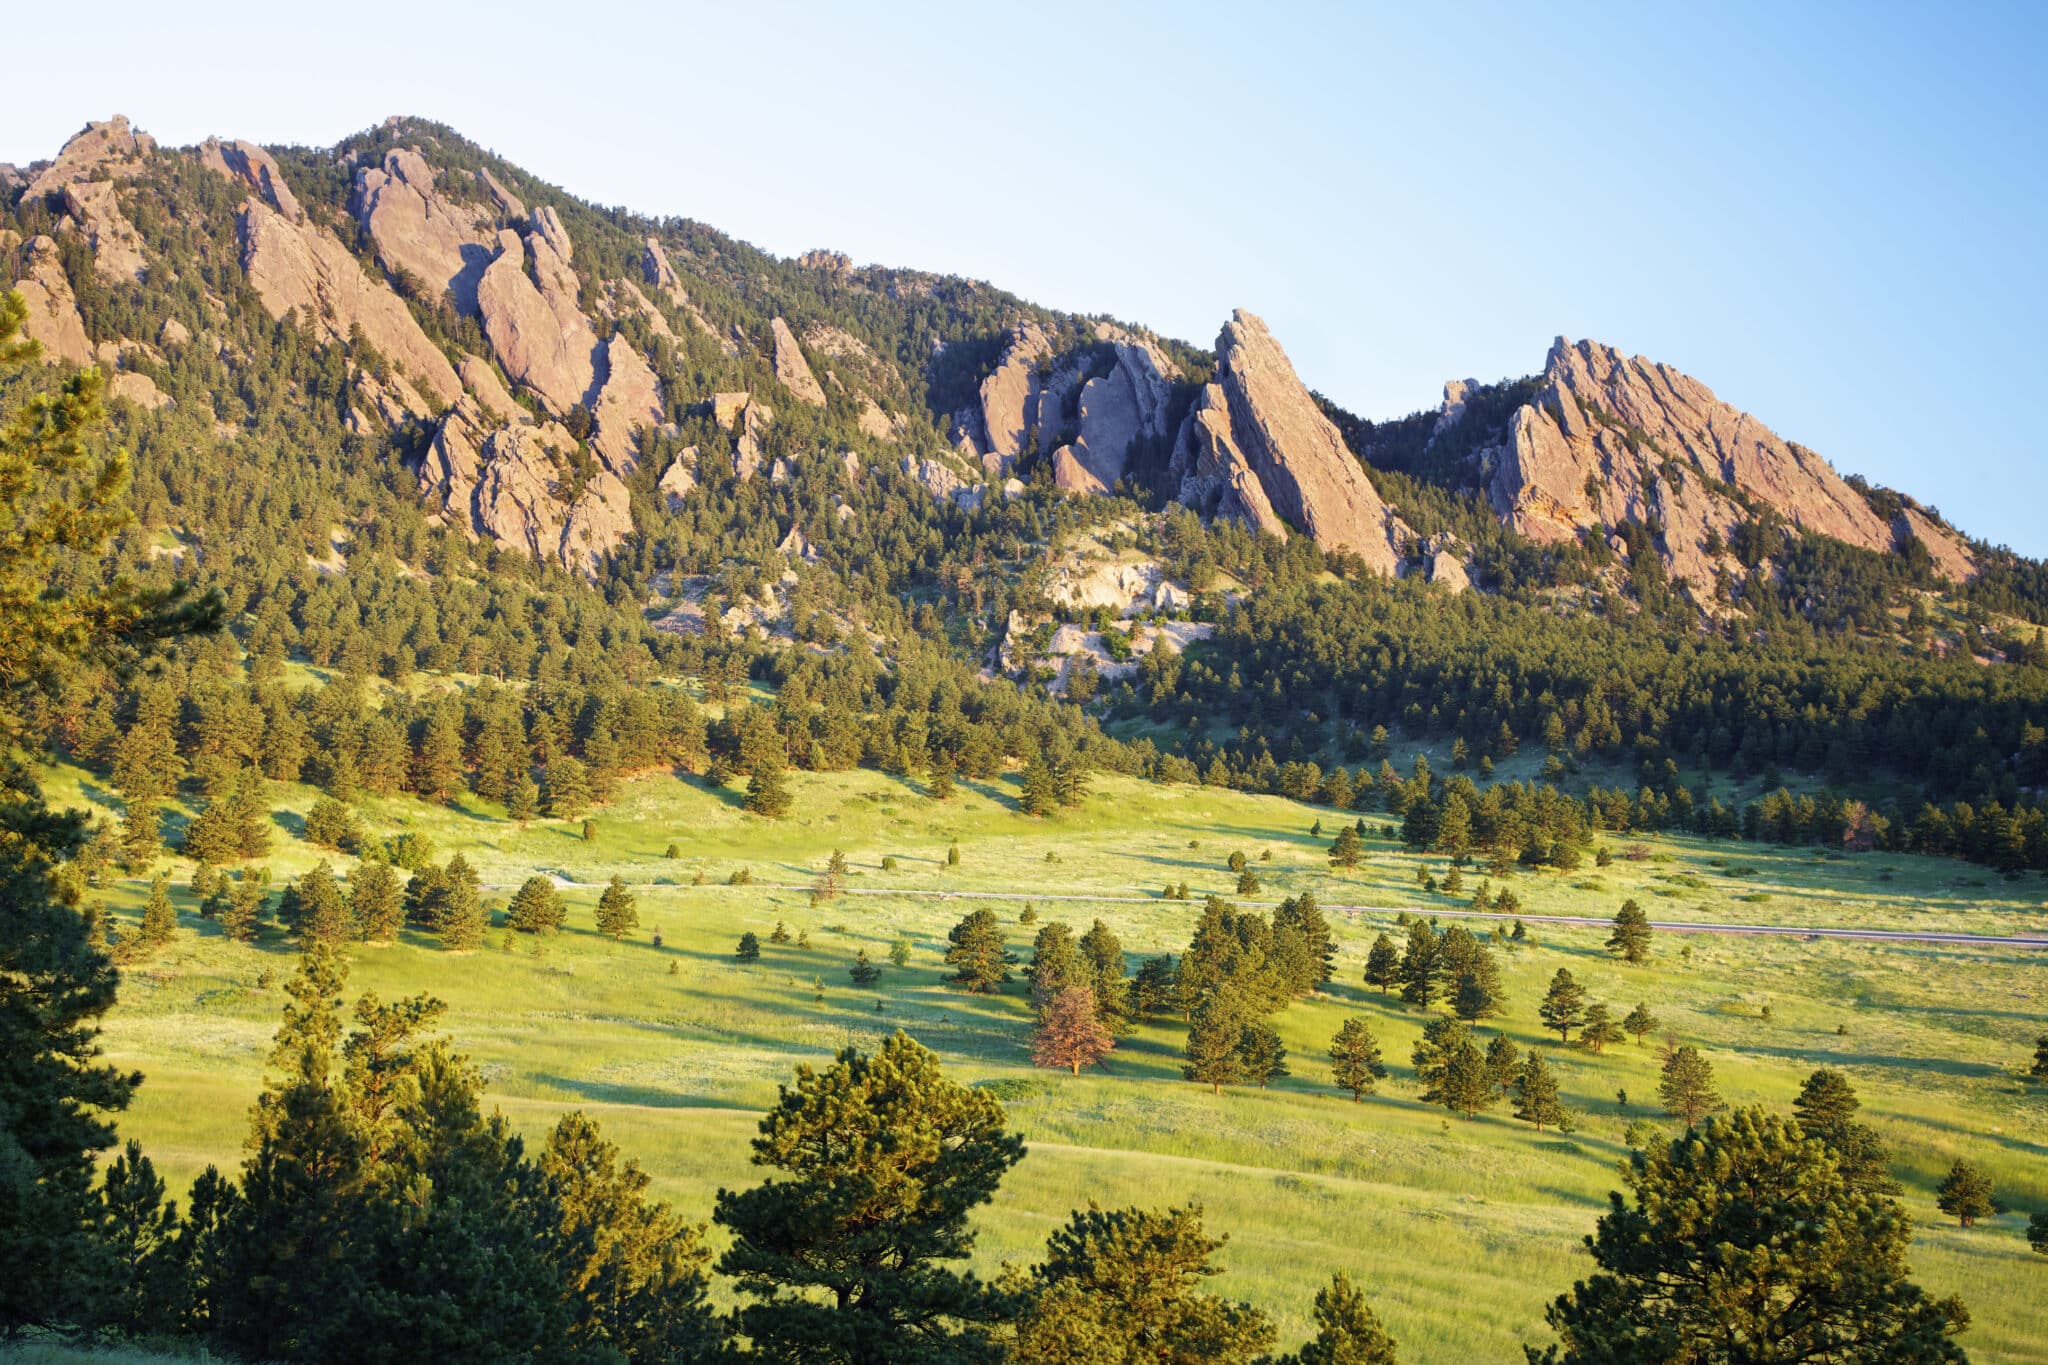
(1613, 439)
(1256, 447)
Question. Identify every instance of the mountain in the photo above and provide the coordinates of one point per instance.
(551, 376)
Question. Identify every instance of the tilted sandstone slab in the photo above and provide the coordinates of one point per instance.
(537, 332)
(1256, 446)
(1009, 410)
(1612, 439)
(419, 230)
(53, 316)
(629, 401)
(305, 266)
(791, 368)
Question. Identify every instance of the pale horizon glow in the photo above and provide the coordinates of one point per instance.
(1833, 216)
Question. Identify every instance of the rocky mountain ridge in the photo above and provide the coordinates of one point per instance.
(526, 355)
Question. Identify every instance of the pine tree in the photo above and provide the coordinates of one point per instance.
(1536, 1094)
(1348, 1332)
(940, 785)
(437, 761)
(749, 949)
(1214, 1037)
(1687, 1086)
(565, 788)
(522, 797)
(1069, 1031)
(1347, 850)
(1420, 982)
(2039, 1070)
(1631, 937)
(1441, 1038)
(883, 1159)
(375, 904)
(159, 916)
(536, 907)
(780, 934)
(459, 916)
(1103, 953)
(1823, 1265)
(978, 957)
(1037, 795)
(1383, 964)
(1826, 1108)
(1503, 1061)
(1562, 1004)
(1640, 1023)
(618, 912)
(767, 793)
(863, 972)
(1355, 1063)
(899, 951)
(1599, 1029)
(1262, 1057)
(1467, 1087)
(1121, 1285)
(319, 912)
(1152, 989)
(1965, 1194)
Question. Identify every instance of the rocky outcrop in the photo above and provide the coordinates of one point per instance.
(1612, 439)
(659, 274)
(304, 266)
(52, 308)
(528, 300)
(629, 402)
(1951, 557)
(387, 405)
(253, 167)
(934, 477)
(679, 480)
(116, 246)
(1010, 397)
(138, 389)
(480, 379)
(110, 149)
(791, 368)
(514, 485)
(509, 204)
(419, 231)
(1113, 410)
(748, 452)
(1256, 447)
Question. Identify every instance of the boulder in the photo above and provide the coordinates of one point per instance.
(110, 149)
(254, 168)
(849, 464)
(173, 334)
(790, 367)
(53, 316)
(1256, 447)
(873, 421)
(418, 230)
(305, 266)
(116, 246)
(727, 407)
(1449, 570)
(796, 545)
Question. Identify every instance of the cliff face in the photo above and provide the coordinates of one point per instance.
(1612, 439)
(1257, 448)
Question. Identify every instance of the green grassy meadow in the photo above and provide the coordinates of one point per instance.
(1461, 1230)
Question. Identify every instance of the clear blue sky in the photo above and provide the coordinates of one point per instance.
(1833, 215)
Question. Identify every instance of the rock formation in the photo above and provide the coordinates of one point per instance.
(513, 484)
(1611, 439)
(1112, 410)
(419, 231)
(116, 246)
(111, 148)
(1256, 447)
(630, 400)
(791, 368)
(305, 266)
(52, 308)
(536, 330)
(679, 480)
(659, 274)
(252, 166)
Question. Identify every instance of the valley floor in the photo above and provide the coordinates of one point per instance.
(1460, 1230)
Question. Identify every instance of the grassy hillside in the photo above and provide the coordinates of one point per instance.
(1462, 1229)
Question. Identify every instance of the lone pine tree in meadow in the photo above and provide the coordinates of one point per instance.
(1383, 964)
(1686, 1085)
(1355, 1063)
(536, 907)
(1347, 850)
(1562, 1004)
(863, 972)
(749, 949)
(1640, 1023)
(979, 960)
(618, 912)
(1965, 1193)
(2039, 1070)
(1630, 940)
